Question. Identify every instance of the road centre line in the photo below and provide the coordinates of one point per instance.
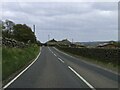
(76, 72)
(8, 84)
(81, 78)
(61, 60)
(55, 55)
(63, 52)
(88, 62)
(50, 50)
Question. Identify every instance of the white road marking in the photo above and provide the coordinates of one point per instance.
(88, 62)
(8, 84)
(63, 52)
(82, 78)
(61, 60)
(49, 48)
(55, 55)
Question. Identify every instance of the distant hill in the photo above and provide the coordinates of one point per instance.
(62, 42)
(53, 40)
(86, 44)
(65, 42)
(95, 43)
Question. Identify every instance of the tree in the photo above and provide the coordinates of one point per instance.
(7, 28)
(23, 33)
(9, 25)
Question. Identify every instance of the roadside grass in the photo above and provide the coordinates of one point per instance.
(108, 66)
(13, 59)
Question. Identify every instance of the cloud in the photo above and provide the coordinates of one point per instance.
(62, 0)
(82, 21)
(107, 7)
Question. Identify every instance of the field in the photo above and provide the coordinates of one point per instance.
(13, 59)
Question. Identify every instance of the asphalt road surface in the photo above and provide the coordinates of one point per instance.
(55, 69)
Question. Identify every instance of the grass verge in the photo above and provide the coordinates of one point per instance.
(13, 59)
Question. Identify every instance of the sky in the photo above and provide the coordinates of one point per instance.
(80, 21)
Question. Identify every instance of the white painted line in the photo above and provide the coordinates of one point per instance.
(82, 78)
(63, 52)
(55, 55)
(61, 60)
(88, 62)
(49, 48)
(22, 71)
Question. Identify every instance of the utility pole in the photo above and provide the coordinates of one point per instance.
(34, 31)
(72, 40)
(48, 37)
(34, 28)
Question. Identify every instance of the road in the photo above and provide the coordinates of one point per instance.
(54, 69)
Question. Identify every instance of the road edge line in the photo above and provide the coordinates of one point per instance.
(88, 84)
(9, 83)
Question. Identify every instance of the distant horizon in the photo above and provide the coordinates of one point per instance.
(82, 41)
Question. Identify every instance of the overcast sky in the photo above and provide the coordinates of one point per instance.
(82, 21)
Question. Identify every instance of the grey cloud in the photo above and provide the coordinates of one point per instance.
(48, 9)
(106, 6)
(67, 20)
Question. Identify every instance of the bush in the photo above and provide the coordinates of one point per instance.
(23, 33)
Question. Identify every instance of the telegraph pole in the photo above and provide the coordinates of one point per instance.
(72, 40)
(34, 28)
(48, 37)
(34, 31)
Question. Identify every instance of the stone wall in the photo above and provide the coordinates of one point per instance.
(7, 42)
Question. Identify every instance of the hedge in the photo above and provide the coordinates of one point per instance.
(99, 54)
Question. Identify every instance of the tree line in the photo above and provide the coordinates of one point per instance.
(19, 32)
